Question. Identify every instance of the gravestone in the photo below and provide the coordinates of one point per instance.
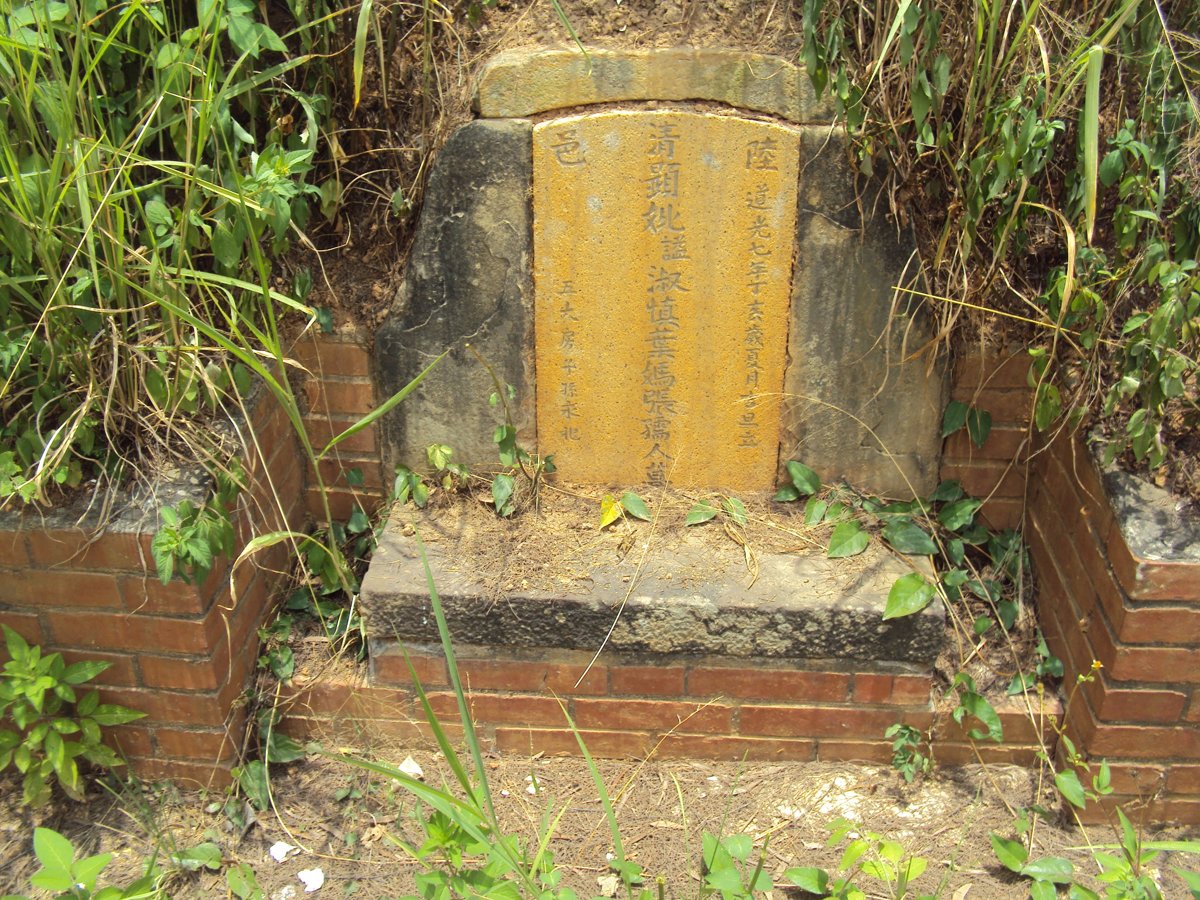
(662, 246)
(683, 295)
(689, 295)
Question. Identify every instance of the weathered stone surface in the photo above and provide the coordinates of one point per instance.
(524, 82)
(663, 255)
(799, 607)
(467, 282)
(861, 403)
(1154, 524)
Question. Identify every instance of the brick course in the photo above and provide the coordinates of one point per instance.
(1096, 601)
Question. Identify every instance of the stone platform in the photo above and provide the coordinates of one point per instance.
(636, 590)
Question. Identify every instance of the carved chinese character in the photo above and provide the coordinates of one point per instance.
(662, 218)
(761, 155)
(665, 281)
(662, 143)
(663, 180)
(674, 247)
(567, 149)
(760, 228)
(757, 197)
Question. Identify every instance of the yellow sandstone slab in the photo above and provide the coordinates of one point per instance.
(523, 82)
(662, 271)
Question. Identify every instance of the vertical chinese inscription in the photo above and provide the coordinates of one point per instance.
(664, 292)
(662, 271)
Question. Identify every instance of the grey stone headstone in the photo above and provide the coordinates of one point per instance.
(859, 403)
(467, 281)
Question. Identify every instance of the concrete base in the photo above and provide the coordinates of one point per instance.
(688, 593)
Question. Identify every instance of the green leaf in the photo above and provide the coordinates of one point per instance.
(736, 510)
(700, 513)
(725, 880)
(610, 510)
(54, 852)
(158, 213)
(282, 662)
(502, 493)
(803, 478)
(910, 594)
(226, 246)
(1068, 785)
(202, 856)
(810, 879)
(914, 868)
(848, 539)
(906, 536)
(1047, 406)
(86, 871)
(1048, 868)
(814, 511)
(960, 514)
(1089, 135)
(1111, 168)
(941, 74)
(1043, 890)
(283, 749)
(1012, 854)
(110, 714)
(786, 494)
(920, 94)
(739, 846)
(358, 522)
(954, 418)
(242, 882)
(946, 491)
(981, 709)
(979, 426)
(252, 778)
(78, 673)
(1192, 880)
(360, 48)
(635, 506)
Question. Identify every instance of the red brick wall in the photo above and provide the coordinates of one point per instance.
(623, 707)
(1138, 618)
(996, 382)
(340, 391)
(181, 653)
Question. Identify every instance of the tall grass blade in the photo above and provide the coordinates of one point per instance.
(384, 408)
(893, 31)
(1089, 136)
(610, 817)
(464, 711)
(565, 19)
(439, 733)
(360, 46)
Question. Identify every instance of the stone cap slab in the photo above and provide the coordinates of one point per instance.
(800, 606)
(519, 83)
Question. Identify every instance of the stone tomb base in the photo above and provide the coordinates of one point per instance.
(709, 650)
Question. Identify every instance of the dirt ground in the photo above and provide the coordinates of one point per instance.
(347, 823)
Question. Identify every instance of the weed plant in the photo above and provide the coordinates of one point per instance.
(1053, 150)
(150, 157)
